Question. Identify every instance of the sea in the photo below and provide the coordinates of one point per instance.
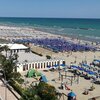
(86, 29)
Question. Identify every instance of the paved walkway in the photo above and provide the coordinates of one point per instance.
(5, 94)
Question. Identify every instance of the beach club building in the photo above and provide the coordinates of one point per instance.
(39, 65)
(29, 60)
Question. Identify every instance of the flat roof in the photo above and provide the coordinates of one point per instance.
(31, 57)
(14, 46)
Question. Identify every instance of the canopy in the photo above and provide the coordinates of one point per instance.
(17, 46)
(96, 60)
(56, 65)
(74, 67)
(44, 79)
(33, 73)
(91, 72)
(62, 65)
(71, 94)
(81, 68)
(48, 66)
(85, 65)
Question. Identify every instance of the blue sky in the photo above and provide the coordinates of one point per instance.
(50, 8)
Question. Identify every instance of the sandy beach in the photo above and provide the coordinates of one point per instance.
(70, 57)
(10, 33)
(52, 42)
(76, 88)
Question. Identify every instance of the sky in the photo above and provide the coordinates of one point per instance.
(50, 8)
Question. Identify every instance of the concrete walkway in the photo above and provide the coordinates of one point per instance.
(5, 94)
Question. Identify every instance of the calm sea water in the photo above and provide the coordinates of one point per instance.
(88, 29)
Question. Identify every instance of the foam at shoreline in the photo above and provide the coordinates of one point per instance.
(12, 32)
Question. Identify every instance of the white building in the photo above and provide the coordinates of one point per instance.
(29, 60)
(39, 65)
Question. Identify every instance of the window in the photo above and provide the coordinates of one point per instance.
(33, 65)
(38, 65)
(44, 65)
(57, 62)
(26, 67)
(52, 63)
(41, 65)
(30, 66)
(63, 62)
(23, 67)
(47, 63)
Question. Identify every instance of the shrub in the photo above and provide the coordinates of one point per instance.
(16, 87)
(48, 57)
(46, 91)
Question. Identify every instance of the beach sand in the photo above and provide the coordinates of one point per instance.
(10, 33)
(70, 57)
(78, 89)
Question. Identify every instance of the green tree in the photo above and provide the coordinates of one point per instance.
(2, 58)
(48, 57)
(42, 91)
(30, 94)
(8, 66)
(5, 48)
(15, 60)
(46, 91)
(1, 48)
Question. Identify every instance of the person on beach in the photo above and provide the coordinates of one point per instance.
(61, 85)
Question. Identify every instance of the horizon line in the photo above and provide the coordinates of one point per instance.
(48, 17)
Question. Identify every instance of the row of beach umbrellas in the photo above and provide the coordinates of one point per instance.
(57, 44)
(59, 66)
(88, 71)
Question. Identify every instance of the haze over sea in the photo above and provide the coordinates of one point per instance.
(87, 29)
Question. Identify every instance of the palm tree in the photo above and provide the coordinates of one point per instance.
(15, 59)
(1, 48)
(16, 56)
(5, 48)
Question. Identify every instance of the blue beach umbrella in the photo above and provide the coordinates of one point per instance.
(85, 65)
(80, 68)
(71, 94)
(62, 65)
(56, 65)
(74, 67)
(48, 66)
(87, 71)
(91, 73)
(44, 79)
(96, 60)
